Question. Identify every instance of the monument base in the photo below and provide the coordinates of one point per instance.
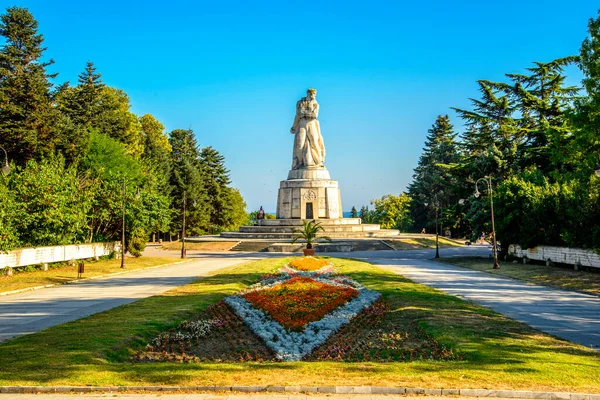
(309, 193)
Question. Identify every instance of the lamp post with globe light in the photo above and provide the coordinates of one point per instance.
(488, 180)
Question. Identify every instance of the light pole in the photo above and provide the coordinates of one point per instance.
(436, 204)
(183, 252)
(488, 180)
(123, 229)
(6, 168)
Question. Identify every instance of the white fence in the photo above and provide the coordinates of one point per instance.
(565, 255)
(52, 254)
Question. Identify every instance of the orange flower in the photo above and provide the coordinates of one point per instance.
(300, 300)
(308, 263)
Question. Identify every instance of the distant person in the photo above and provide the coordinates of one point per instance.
(260, 216)
(423, 230)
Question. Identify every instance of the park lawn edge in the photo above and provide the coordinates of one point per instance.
(552, 277)
(94, 350)
(156, 262)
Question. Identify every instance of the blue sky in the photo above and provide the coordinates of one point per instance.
(232, 71)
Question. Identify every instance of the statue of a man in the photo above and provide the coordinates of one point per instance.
(309, 150)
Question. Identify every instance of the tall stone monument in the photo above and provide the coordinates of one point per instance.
(308, 192)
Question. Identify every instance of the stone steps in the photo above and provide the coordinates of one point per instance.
(333, 235)
(329, 229)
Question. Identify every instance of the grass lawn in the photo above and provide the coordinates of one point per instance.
(558, 277)
(421, 243)
(204, 246)
(22, 279)
(495, 352)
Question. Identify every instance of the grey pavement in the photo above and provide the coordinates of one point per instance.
(565, 314)
(33, 311)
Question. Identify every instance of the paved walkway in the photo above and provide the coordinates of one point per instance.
(569, 315)
(33, 311)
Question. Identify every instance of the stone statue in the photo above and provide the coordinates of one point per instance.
(309, 150)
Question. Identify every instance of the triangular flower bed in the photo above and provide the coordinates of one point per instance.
(306, 326)
(301, 313)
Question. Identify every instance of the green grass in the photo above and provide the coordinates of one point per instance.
(496, 352)
(24, 278)
(557, 277)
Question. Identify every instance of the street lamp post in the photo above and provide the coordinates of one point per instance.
(488, 180)
(123, 229)
(436, 204)
(6, 168)
(183, 251)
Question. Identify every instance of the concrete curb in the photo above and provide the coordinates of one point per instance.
(508, 394)
(90, 278)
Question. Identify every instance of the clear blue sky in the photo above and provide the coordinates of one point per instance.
(233, 71)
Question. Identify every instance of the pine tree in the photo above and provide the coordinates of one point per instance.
(87, 106)
(28, 121)
(216, 179)
(353, 213)
(436, 173)
(586, 147)
(543, 101)
(187, 177)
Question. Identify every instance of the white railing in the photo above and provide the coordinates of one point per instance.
(51, 254)
(565, 255)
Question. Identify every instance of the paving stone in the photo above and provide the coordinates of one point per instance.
(344, 389)
(387, 390)
(475, 392)
(515, 394)
(64, 389)
(433, 392)
(44, 389)
(326, 389)
(580, 396)
(293, 389)
(415, 391)
(594, 396)
(451, 392)
(363, 390)
(277, 389)
(308, 389)
(248, 389)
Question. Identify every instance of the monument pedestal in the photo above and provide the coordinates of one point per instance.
(309, 193)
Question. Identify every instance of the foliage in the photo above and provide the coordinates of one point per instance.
(393, 212)
(353, 212)
(52, 207)
(253, 220)
(8, 217)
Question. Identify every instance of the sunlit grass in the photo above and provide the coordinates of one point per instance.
(496, 352)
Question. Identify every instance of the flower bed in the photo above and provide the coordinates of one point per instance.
(300, 300)
(310, 264)
(305, 315)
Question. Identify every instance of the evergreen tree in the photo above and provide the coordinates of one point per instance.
(586, 147)
(216, 179)
(436, 174)
(187, 177)
(353, 213)
(543, 101)
(30, 126)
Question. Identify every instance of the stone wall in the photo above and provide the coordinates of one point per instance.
(565, 255)
(51, 254)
